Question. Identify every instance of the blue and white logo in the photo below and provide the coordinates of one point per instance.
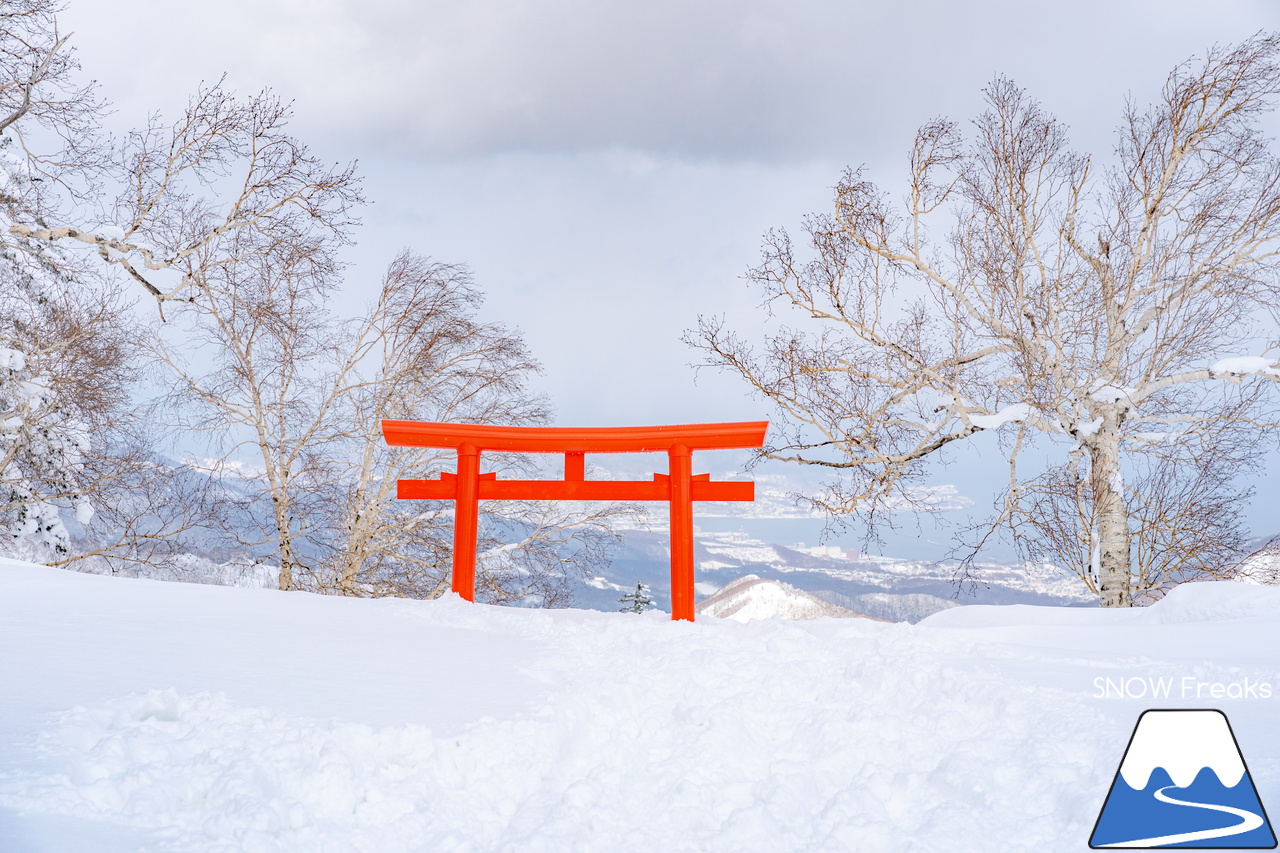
(1183, 783)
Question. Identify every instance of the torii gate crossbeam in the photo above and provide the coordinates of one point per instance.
(679, 486)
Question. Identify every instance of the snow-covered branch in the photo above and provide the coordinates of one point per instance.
(1015, 324)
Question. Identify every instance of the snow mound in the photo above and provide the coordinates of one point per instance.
(214, 719)
(752, 597)
(712, 739)
(239, 778)
(1210, 601)
(1024, 615)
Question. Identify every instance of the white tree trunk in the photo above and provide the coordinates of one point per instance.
(286, 565)
(1109, 510)
(285, 534)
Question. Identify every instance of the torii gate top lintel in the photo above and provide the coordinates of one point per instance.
(525, 439)
(679, 487)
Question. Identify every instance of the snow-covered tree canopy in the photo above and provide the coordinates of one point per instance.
(64, 351)
(166, 205)
(1120, 314)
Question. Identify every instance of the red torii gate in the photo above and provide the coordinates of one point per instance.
(680, 487)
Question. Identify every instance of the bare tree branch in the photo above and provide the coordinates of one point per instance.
(1014, 323)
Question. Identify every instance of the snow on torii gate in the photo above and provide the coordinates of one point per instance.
(680, 487)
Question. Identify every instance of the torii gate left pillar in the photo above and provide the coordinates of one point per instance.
(679, 486)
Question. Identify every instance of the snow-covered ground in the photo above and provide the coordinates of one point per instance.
(139, 715)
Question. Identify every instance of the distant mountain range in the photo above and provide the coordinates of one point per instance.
(881, 587)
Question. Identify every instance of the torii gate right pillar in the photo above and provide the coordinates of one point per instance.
(466, 521)
(680, 466)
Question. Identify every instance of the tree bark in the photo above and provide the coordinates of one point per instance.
(1109, 511)
(285, 534)
(286, 565)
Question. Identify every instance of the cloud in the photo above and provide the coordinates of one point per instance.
(721, 79)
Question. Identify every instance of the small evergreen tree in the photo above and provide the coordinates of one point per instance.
(636, 602)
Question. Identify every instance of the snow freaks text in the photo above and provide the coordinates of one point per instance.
(1186, 687)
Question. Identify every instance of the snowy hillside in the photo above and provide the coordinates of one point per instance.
(895, 607)
(750, 597)
(138, 715)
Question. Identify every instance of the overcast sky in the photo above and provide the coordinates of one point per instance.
(607, 168)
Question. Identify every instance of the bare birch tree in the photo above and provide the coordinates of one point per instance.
(1120, 316)
(160, 203)
(430, 359)
(305, 393)
(184, 190)
(164, 207)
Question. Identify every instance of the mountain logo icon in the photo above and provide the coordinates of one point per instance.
(1183, 783)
